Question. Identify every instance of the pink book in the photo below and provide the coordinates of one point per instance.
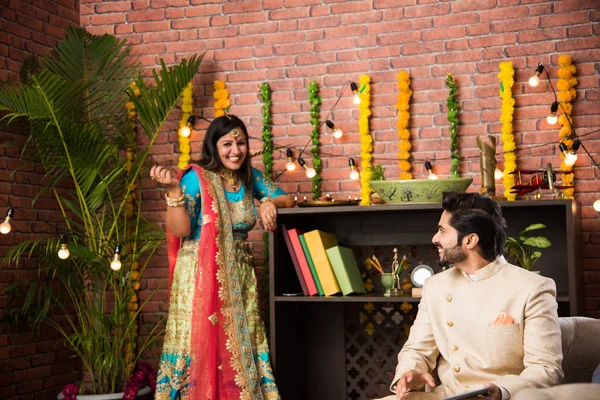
(308, 278)
(294, 258)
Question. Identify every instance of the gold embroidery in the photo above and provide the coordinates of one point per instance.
(214, 319)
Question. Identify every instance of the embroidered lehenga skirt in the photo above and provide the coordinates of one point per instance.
(173, 379)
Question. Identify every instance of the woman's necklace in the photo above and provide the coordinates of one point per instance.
(230, 177)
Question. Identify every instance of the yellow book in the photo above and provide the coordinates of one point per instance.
(318, 242)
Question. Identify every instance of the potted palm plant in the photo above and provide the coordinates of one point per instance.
(84, 104)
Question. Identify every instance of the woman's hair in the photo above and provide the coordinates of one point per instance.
(209, 157)
(475, 213)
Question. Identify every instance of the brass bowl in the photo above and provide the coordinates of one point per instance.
(418, 190)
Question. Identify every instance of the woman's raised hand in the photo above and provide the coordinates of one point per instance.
(163, 176)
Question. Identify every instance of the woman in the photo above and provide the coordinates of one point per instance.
(215, 343)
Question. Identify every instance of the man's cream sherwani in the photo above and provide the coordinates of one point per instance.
(453, 330)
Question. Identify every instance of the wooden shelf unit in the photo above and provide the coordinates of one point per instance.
(307, 334)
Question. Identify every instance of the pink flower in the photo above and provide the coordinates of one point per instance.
(70, 391)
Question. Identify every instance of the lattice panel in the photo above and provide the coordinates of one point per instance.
(371, 353)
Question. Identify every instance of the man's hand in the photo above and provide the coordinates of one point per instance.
(494, 393)
(412, 379)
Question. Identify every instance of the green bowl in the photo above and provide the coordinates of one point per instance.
(418, 190)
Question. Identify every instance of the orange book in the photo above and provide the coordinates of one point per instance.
(318, 242)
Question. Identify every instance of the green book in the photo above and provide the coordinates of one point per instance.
(313, 271)
(346, 270)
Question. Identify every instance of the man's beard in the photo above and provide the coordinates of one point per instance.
(452, 255)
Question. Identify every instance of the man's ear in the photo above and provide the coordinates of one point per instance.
(471, 240)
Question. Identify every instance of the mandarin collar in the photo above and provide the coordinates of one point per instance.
(487, 271)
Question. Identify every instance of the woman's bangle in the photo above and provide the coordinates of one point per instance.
(178, 202)
(266, 199)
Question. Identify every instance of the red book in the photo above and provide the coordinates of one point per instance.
(302, 262)
(294, 258)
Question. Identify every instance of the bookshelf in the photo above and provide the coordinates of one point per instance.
(317, 345)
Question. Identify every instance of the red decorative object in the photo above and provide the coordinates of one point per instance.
(144, 373)
(70, 391)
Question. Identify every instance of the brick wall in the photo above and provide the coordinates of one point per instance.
(32, 366)
(289, 43)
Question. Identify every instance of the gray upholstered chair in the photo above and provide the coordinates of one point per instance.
(581, 356)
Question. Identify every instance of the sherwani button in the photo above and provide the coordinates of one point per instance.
(450, 323)
(449, 298)
(456, 368)
(454, 348)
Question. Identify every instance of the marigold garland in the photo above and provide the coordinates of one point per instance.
(187, 108)
(366, 141)
(506, 76)
(221, 96)
(453, 119)
(315, 111)
(402, 106)
(131, 205)
(267, 133)
(566, 92)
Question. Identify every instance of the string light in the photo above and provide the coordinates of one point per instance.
(115, 264)
(5, 226)
(552, 118)
(186, 130)
(354, 175)
(310, 172)
(429, 168)
(337, 132)
(498, 174)
(570, 155)
(290, 165)
(534, 81)
(356, 97)
(63, 252)
(597, 205)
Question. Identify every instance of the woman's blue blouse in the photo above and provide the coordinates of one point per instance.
(190, 185)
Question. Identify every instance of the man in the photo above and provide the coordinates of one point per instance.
(483, 323)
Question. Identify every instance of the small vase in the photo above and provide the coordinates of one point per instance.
(387, 280)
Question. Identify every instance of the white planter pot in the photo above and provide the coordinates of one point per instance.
(112, 396)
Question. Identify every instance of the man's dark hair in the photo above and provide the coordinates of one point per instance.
(474, 213)
(209, 157)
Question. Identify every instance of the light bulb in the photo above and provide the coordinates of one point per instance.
(290, 166)
(115, 264)
(570, 158)
(356, 97)
(338, 133)
(432, 176)
(497, 174)
(185, 131)
(552, 119)
(534, 81)
(63, 252)
(310, 172)
(5, 226)
(354, 175)
(597, 205)
(429, 168)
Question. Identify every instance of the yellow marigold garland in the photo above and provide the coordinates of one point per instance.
(566, 92)
(506, 76)
(187, 106)
(366, 146)
(130, 204)
(222, 102)
(402, 105)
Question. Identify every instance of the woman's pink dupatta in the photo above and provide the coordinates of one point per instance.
(207, 351)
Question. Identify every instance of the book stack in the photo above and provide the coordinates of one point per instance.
(323, 267)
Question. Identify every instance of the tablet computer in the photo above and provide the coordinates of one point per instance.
(469, 395)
